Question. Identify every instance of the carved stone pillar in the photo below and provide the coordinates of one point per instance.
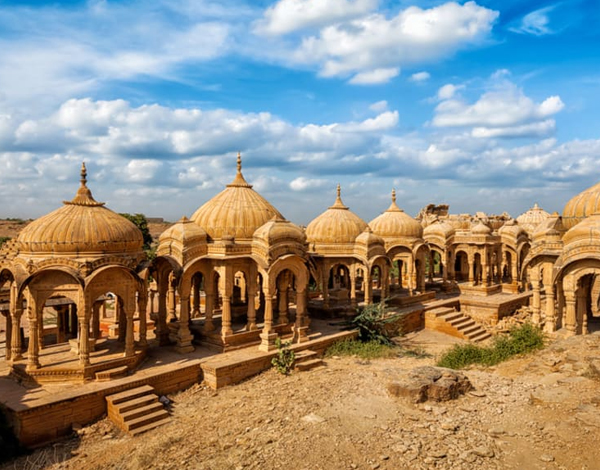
(33, 361)
(550, 324)
(172, 300)
(352, 287)
(184, 337)
(129, 338)
(226, 316)
(268, 335)
(15, 344)
(368, 288)
(8, 336)
(251, 314)
(208, 322)
(162, 331)
(535, 300)
(283, 300)
(571, 314)
(471, 273)
(84, 339)
(301, 327)
(196, 299)
(143, 317)
(582, 311)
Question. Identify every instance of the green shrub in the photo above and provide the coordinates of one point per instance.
(520, 340)
(284, 361)
(371, 324)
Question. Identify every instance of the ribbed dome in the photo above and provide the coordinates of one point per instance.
(368, 238)
(530, 219)
(279, 229)
(440, 229)
(82, 226)
(586, 232)
(394, 222)
(184, 232)
(581, 206)
(236, 211)
(337, 224)
(511, 228)
(481, 229)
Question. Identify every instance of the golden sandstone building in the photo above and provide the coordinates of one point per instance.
(238, 274)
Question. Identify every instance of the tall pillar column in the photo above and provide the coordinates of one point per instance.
(15, 344)
(172, 300)
(368, 288)
(8, 336)
(226, 316)
(96, 333)
(84, 339)
(161, 327)
(251, 314)
(268, 335)
(536, 302)
(129, 337)
(571, 314)
(33, 361)
(184, 337)
(60, 327)
(326, 274)
(122, 320)
(143, 318)
(471, 274)
(301, 328)
(582, 311)
(196, 299)
(208, 322)
(352, 287)
(550, 324)
(283, 301)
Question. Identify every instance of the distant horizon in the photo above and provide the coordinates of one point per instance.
(487, 106)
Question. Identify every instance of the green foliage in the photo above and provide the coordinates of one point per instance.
(142, 224)
(3, 240)
(364, 350)
(284, 361)
(371, 324)
(520, 340)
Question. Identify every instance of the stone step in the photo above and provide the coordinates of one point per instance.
(481, 336)
(129, 394)
(109, 374)
(150, 426)
(451, 316)
(462, 322)
(145, 420)
(474, 328)
(307, 365)
(305, 355)
(129, 405)
(141, 411)
(441, 311)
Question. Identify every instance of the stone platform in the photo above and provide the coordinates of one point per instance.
(47, 412)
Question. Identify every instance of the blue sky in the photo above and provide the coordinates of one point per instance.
(486, 106)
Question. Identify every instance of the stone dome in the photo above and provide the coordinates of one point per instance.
(279, 229)
(183, 240)
(237, 211)
(81, 227)
(581, 206)
(439, 229)
(395, 223)
(585, 233)
(511, 228)
(337, 224)
(368, 238)
(530, 219)
(481, 229)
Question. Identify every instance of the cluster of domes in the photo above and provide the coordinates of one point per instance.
(82, 227)
(531, 218)
(394, 223)
(581, 206)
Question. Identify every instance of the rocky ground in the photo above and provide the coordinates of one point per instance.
(537, 412)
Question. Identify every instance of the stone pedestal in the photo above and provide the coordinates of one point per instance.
(268, 341)
(301, 334)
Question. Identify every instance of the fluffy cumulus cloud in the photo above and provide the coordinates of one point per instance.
(420, 77)
(376, 43)
(502, 111)
(286, 16)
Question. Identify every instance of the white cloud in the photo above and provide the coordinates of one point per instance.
(503, 111)
(447, 91)
(536, 23)
(414, 35)
(287, 16)
(302, 184)
(374, 77)
(420, 77)
(379, 106)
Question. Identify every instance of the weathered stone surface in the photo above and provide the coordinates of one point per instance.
(431, 383)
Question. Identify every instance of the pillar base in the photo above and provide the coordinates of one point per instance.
(208, 326)
(301, 334)
(268, 342)
(549, 327)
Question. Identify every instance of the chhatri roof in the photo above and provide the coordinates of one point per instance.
(581, 206)
(337, 224)
(237, 211)
(530, 219)
(82, 226)
(395, 223)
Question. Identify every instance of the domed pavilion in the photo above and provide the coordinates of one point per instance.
(60, 270)
(232, 275)
(345, 255)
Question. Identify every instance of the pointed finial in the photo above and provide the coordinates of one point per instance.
(83, 179)
(338, 204)
(393, 195)
(535, 206)
(339, 191)
(239, 162)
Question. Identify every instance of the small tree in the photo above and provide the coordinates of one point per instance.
(140, 221)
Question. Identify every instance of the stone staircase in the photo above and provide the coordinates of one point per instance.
(110, 374)
(460, 325)
(306, 360)
(137, 410)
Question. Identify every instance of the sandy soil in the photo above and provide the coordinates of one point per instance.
(536, 412)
